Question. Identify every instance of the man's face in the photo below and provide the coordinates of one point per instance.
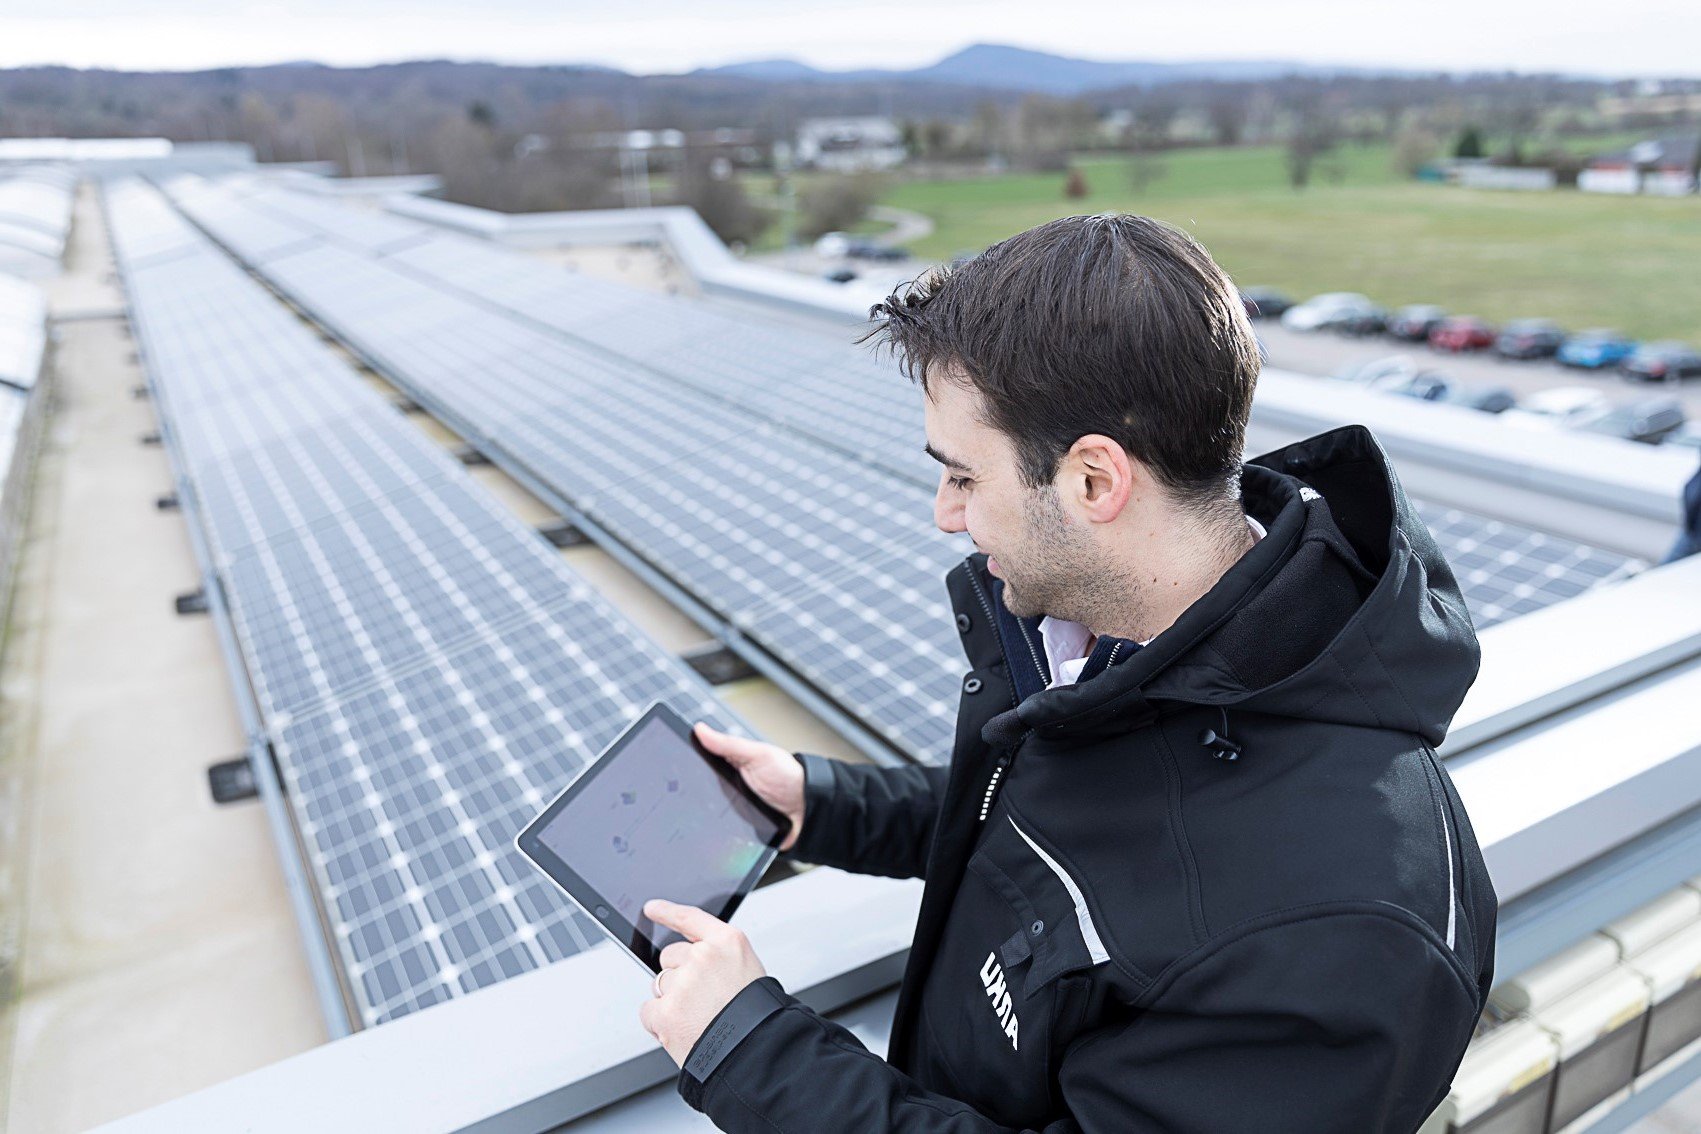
(1030, 540)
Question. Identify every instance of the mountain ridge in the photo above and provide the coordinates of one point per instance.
(1003, 66)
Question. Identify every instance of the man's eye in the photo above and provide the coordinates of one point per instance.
(958, 481)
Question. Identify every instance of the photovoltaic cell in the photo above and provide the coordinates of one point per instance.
(427, 670)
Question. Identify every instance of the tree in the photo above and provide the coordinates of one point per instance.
(936, 137)
(1470, 144)
(1226, 108)
(708, 185)
(1415, 147)
(257, 124)
(838, 202)
(1154, 115)
(1313, 131)
(1144, 167)
(1044, 130)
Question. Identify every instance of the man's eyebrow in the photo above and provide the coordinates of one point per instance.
(948, 462)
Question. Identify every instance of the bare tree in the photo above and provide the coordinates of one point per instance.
(1313, 130)
(707, 184)
(1226, 108)
(1046, 129)
(1154, 116)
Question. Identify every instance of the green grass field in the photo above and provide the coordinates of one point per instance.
(1583, 259)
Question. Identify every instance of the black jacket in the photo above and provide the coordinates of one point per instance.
(1142, 934)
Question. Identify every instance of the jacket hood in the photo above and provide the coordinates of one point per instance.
(1345, 612)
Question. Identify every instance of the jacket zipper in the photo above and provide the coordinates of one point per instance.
(992, 786)
(991, 621)
(985, 601)
(1029, 642)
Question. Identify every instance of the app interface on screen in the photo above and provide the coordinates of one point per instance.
(659, 823)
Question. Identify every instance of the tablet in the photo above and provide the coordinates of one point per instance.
(654, 816)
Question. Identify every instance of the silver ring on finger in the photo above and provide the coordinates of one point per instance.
(655, 985)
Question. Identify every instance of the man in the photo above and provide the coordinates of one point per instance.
(1688, 540)
(1195, 866)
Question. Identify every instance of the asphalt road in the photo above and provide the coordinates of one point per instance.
(1325, 353)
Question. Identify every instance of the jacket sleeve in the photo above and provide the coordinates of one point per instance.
(1335, 1024)
(868, 820)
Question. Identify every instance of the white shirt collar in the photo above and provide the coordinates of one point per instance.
(1066, 642)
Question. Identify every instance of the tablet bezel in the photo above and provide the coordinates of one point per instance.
(628, 936)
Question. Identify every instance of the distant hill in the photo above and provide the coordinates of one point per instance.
(1001, 67)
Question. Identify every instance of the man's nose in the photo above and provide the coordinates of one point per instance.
(947, 508)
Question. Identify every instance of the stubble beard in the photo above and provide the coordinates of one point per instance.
(1056, 571)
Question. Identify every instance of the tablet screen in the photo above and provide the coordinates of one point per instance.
(653, 818)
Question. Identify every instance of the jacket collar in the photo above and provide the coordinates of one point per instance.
(1024, 646)
(1281, 608)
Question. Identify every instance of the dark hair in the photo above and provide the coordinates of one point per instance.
(1112, 324)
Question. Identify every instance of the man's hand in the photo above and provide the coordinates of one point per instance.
(699, 976)
(767, 769)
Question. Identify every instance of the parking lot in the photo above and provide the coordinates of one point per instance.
(1326, 353)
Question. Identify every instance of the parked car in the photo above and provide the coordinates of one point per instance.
(1596, 349)
(1424, 385)
(1558, 407)
(1368, 373)
(840, 274)
(1344, 311)
(1413, 324)
(1462, 332)
(1661, 362)
(860, 248)
(1649, 421)
(1529, 338)
(1370, 320)
(1434, 386)
(1264, 302)
(1485, 399)
(832, 245)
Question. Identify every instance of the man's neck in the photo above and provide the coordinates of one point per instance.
(1195, 561)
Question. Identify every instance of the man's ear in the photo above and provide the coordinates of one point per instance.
(1099, 478)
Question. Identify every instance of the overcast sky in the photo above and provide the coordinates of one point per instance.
(1618, 37)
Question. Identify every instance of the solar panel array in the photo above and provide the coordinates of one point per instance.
(825, 562)
(23, 350)
(567, 368)
(427, 669)
(843, 397)
(35, 218)
(23, 332)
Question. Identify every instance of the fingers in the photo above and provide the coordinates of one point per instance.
(693, 923)
(735, 750)
(674, 955)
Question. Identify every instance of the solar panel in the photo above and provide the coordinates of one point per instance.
(766, 530)
(427, 670)
(23, 332)
(842, 397)
(35, 218)
(1507, 569)
(555, 370)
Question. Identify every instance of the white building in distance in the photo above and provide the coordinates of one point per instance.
(850, 145)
